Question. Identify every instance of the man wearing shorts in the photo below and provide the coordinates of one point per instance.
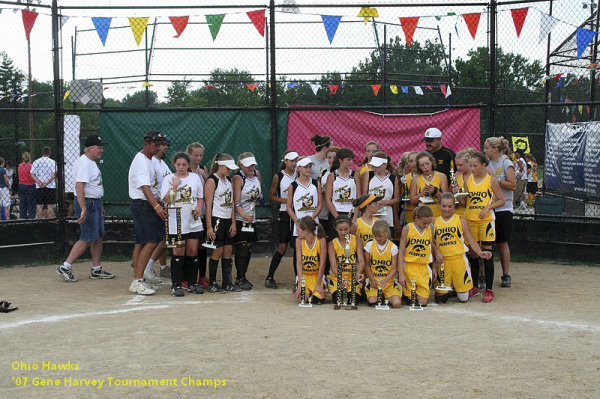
(89, 191)
(43, 172)
(148, 214)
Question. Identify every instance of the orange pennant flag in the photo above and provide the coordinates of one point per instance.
(258, 19)
(518, 16)
(376, 89)
(252, 87)
(443, 87)
(333, 89)
(409, 25)
(179, 23)
(472, 21)
(29, 18)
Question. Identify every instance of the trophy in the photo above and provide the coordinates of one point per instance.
(173, 242)
(353, 289)
(195, 221)
(442, 279)
(382, 302)
(381, 212)
(342, 297)
(211, 244)
(461, 191)
(303, 303)
(426, 200)
(406, 195)
(247, 226)
(414, 304)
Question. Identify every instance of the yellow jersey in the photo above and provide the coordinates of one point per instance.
(458, 208)
(449, 236)
(418, 245)
(340, 254)
(365, 168)
(381, 261)
(409, 217)
(480, 196)
(364, 230)
(436, 181)
(311, 257)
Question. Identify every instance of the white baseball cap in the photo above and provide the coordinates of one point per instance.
(433, 133)
(248, 161)
(291, 156)
(229, 163)
(376, 161)
(304, 162)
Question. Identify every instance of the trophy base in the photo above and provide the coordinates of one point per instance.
(443, 288)
(337, 307)
(248, 229)
(351, 307)
(458, 195)
(305, 305)
(405, 199)
(415, 307)
(380, 214)
(382, 307)
(426, 200)
(171, 246)
(210, 246)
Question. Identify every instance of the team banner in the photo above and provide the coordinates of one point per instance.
(572, 153)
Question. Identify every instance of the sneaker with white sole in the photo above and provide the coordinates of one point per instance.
(151, 278)
(138, 287)
(100, 274)
(66, 273)
(177, 291)
(148, 285)
(165, 272)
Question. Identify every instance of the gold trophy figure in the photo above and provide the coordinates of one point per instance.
(342, 297)
(211, 244)
(195, 220)
(442, 279)
(426, 199)
(247, 226)
(382, 303)
(454, 183)
(303, 303)
(173, 242)
(406, 195)
(414, 304)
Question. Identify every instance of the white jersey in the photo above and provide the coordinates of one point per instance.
(284, 184)
(86, 171)
(305, 200)
(383, 187)
(250, 193)
(324, 215)
(162, 170)
(188, 192)
(142, 173)
(223, 197)
(44, 168)
(344, 192)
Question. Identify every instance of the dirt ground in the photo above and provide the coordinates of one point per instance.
(539, 338)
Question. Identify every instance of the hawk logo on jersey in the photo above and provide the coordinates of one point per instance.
(476, 200)
(467, 278)
(446, 237)
(185, 193)
(227, 202)
(343, 195)
(253, 194)
(419, 248)
(307, 201)
(489, 230)
(378, 191)
(155, 184)
(309, 263)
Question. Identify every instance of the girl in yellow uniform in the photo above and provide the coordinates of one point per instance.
(417, 246)
(370, 148)
(484, 196)
(410, 172)
(367, 207)
(463, 171)
(382, 260)
(337, 258)
(310, 259)
(450, 231)
(429, 185)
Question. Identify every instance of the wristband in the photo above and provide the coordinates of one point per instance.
(156, 206)
(435, 190)
(238, 205)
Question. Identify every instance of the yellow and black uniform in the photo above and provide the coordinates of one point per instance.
(458, 208)
(480, 196)
(310, 266)
(408, 215)
(364, 230)
(340, 256)
(364, 168)
(435, 181)
(449, 237)
(381, 266)
(417, 256)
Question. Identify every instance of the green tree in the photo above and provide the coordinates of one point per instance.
(11, 78)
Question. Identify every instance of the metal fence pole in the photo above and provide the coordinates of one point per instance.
(273, 107)
(492, 75)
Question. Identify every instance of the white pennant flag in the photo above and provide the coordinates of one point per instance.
(547, 23)
(290, 6)
(63, 20)
(418, 90)
(448, 91)
(315, 87)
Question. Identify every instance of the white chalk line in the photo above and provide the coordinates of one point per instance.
(522, 319)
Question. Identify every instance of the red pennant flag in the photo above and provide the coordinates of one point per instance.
(252, 87)
(179, 23)
(472, 21)
(518, 16)
(333, 89)
(443, 87)
(567, 100)
(206, 87)
(376, 89)
(428, 88)
(578, 81)
(589, 110)
(258, 19)
(409, 25)
(574, 118)
(557, 76)
(29, 18)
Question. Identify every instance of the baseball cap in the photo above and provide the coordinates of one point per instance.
(155, 136)
(433, 133)
(376, 161)
(93, 140)
(248, 161)
(304, 162)
(167, 141)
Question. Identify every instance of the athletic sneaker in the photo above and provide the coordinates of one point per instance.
(215, 289)
(270, 283)
(473, 292)
(165, 272)
(196, 289)
(150, 286)
(203, 281)
(244, 284)
(232, 288)
(138, 287)
(177, 291)
(506, 281)
(151, 277)
(184, 285)
(488, 296)
(100, 274)
(65, 273)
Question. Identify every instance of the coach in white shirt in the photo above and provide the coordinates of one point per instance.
(43, 172)
(148, 214)
(89, 191)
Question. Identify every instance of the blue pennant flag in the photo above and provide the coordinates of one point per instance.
(584, 38)
(562, 100)
(290, 85)
(102, 26)
(404, 89)
(331, 23)
(561, 81)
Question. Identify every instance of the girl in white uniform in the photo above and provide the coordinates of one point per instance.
(382, 183)
(342, 184)
(196, 152)
(324, 215)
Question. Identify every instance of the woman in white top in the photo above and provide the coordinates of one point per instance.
(342, 188)
(196, 152)
(324, 215)
(246, 192)
(218, 195)
(190, 198)
(319, 159)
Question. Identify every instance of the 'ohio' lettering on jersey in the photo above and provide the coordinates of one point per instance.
(478, 198)
(419, 248)
(310, 263)
(446, 236)
(381, 267)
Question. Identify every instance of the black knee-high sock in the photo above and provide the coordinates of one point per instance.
(294, 263)
(247, 260)
(213, 265)
(191, 269)
(177, 270)
(274, 264)
(202, 260)
(489, 273)
(474, 271)
(241, 259)
(226, 267)
(186, 271)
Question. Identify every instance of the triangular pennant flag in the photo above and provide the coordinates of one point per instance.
(428, 88)
(368, 12)
(589, 110)
(147, 84)
(578, 81)
(29, 18)
(179, 23)
(315, 88)
(102, 26)
(448, 92)
(404, 89)
(560, 83)
(258, 19)
(333, 89)
(214, 24)
(562, 100)
(63, 20)
(66, 95)
(394, 89)
(557, 76)
(418, 90)
(574, 118)
(584, 38)
(331, 23)
(443, 87)
(547, 23)
(291, 85)
(518, 16)
(409, 25)
(290, 6)
(252, 87)
(472, 21)
(580, 109)
(376, 89)
(138, 27)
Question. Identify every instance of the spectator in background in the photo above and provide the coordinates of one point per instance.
(4, 191)
(319, 159)
(532, 178)
(10, 172)
(521, 174)
(444, 157)
(26, 188)
(43, 172)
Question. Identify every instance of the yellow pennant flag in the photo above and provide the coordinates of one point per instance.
(521, 143)
(138, 26)
(394, 89)
(147, 84)
(368, 12)
(66, 95)
(580, 108)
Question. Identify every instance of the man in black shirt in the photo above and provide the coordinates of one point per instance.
(443, 156)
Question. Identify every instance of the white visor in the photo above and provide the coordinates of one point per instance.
(229, 163)
(376, 161)
(304, 162)
(291, 156)
(248, 161)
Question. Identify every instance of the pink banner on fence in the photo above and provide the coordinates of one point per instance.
(395, 133)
